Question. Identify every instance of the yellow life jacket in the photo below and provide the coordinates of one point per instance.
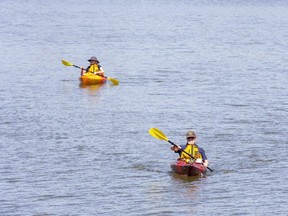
(93, 68)
(192, 150)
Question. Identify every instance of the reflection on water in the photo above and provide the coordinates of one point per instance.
(187, 187)
(92, 89)
(186, 178)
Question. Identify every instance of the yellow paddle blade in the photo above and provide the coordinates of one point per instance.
(114, 81)
(66, 63)
(157, 134)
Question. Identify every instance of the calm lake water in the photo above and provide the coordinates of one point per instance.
(217, 67)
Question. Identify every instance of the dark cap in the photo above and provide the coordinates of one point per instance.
(190, 134)
(93, 58)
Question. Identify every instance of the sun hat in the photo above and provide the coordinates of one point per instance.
(93, 58)
(190, 134)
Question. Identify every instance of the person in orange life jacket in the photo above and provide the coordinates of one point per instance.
(93, 68)
(192, 149)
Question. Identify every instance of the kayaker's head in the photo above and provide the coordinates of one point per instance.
(93, 60)
(191, 137)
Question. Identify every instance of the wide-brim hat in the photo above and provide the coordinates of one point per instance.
(190, 134)
(93, 58)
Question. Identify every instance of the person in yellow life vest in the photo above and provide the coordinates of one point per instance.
(191, 148)
(94, 67)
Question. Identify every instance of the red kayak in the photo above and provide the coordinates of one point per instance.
(191, 169)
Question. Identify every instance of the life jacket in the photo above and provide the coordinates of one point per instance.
(93, 68)
(192, 150)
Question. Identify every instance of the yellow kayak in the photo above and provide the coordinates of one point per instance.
(90, 79)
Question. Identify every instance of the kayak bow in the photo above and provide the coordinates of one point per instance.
(90, 79)
(191, 169)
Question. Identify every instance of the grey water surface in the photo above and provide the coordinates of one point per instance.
(217, 67)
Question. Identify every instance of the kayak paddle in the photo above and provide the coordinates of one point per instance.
(155, 132)
(114, 81)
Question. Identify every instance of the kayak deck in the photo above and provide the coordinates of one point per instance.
(191, 169)
(90, 79)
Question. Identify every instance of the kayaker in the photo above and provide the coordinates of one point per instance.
(94, 67)
(191, 148)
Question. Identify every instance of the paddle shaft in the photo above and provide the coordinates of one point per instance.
(188, 154)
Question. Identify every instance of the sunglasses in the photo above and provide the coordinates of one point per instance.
(190, 138)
